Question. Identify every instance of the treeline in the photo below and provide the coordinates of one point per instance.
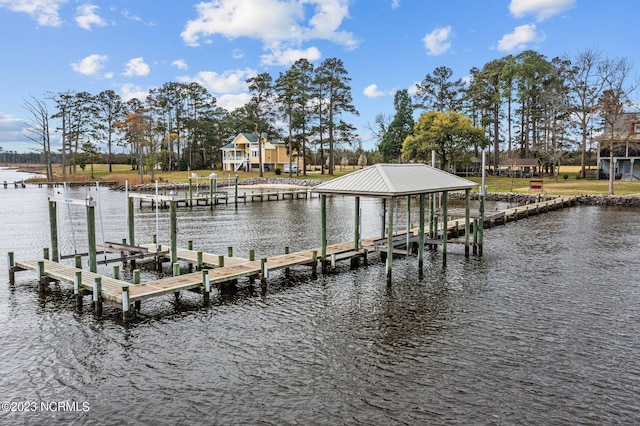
(528, 106)
(180, 126)
(524, 105)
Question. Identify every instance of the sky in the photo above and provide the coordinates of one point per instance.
(132, 46)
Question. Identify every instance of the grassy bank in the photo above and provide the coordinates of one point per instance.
(569, 186)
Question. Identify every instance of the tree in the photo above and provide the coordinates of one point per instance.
(485, 94)
(261, 107)
(37, 129)
(286, 88)
(108, 110)
(449, 134)
(333, 79)
(302, 105)
(400, 127)
(437, 92)
(612, 103)
(585, 83)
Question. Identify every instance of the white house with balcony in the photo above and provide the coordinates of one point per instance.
(242, 154)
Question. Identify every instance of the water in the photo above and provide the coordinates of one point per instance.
(543, 329)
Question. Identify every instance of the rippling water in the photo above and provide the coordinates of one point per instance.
(543, 329)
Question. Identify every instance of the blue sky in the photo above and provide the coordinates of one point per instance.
(386, 45)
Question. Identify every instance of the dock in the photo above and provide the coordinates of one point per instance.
(217, 270)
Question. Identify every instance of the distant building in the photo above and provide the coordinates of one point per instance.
(242, 154)
(626, 148)
(519, 167)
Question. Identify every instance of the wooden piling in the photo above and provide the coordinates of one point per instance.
(136, 281)
(125, 303)
(207, 285)
(53, 229)
(97, 296)
(11, 264)
(77, 292)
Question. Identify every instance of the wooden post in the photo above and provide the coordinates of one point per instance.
(252, 255)
(125, 303)
(176, 273)
(77, 291)
(236, 192)
(421, 235)
(136, 281)
(314, 264)
(230, 251)
(356, 234)
(323, 232)
(11, 264)
(130, 222)
(190, 191)
(383, 216)
(220, 261)
(445, 225)
(475, 236)
(116, 272)
(53, 229)
(91, 230)
(97, 295)
(40, 274)
(200, 261)
(390, 241)
(264, 273)
(333, 261)
(207, 285)
(286, 270)
(78, 260)
(467, 219)
(408, 225)
(45, 253)
(174, 232)
(190, 248)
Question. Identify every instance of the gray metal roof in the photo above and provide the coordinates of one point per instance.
(394, 180)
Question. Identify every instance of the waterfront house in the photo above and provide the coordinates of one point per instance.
(242, 154)
(625, 139)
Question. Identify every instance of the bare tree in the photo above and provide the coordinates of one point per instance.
(615, 96)
(37, 129)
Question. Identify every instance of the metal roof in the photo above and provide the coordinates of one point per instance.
(394, 180)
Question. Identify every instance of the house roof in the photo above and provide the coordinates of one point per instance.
(520, 162)
(394, 180)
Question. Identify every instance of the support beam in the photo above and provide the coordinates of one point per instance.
(174, 231)
(323, 232)
(91, 230)
(445, 225)
(356, 234)
(467, 219)
(421, 235)
(390, 241)
(53, 226)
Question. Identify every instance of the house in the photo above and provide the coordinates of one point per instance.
(519, 167)
(625, 138)
(242, 154)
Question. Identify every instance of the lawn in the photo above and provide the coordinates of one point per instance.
(570, 186)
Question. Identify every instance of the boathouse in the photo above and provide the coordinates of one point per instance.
(391, 182)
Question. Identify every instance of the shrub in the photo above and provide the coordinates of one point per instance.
(566, 177)
(278, 172)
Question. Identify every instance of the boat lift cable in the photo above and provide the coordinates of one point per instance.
(104, 245)
(157, 215)
(73, 232)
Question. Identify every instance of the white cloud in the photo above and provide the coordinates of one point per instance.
(289, 56)
(233, 81)
(233, 101)
(180, 64)
(90, 65)
(274, 22)
(45, 12)
(541, 9)
(10, 128)
(437, 41)
(372, 91)
(395, 4)
(519, 38)
(129, 91)
(86, 16)
(137, 67)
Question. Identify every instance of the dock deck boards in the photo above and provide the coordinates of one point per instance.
(238, 267)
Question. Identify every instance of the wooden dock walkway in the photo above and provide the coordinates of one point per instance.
(226, 269)
(206, 199)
